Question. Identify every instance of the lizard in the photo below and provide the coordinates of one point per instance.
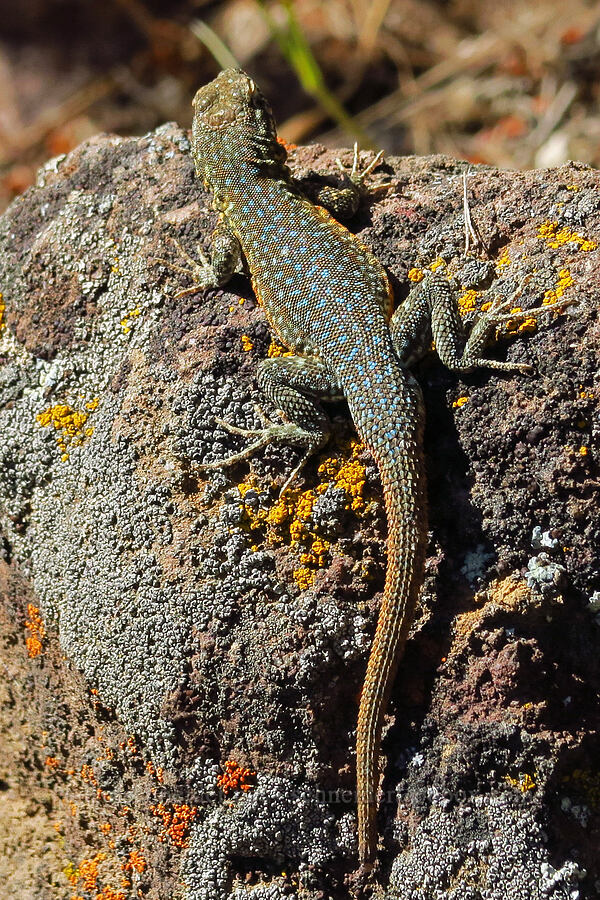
(329, 300)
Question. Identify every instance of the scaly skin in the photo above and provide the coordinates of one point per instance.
(328, 299)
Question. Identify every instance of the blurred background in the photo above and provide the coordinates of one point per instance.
(513, 84)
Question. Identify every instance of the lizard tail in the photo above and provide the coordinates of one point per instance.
(401, 465)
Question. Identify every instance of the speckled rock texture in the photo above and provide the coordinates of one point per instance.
(182, 651)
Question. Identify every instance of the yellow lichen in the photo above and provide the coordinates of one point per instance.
(282, 510)
(69, 423)
(564, 281)
(126, 320)
(503, 261)
(247, 343)
(467, 302)
(318, 554)
(348, 474)
(2, 311)
(303, 577)
(460, 402)
(289, 520)
(416, 275)
(587, 783)
(556, 236)
(437, 264)
(278, 349)
(523, 783)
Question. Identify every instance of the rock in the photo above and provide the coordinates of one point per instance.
(159, 622)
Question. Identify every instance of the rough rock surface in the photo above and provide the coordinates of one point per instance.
(167, 633)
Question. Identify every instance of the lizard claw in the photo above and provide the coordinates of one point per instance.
(501, 312)
(355, 175)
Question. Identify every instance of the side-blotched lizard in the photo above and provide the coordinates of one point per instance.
(329, 300)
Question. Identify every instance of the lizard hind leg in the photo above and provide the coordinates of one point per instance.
(431, 311)
(293, 384)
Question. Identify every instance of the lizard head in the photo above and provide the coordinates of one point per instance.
(233, 123)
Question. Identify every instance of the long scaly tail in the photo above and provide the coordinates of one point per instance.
(396, 443)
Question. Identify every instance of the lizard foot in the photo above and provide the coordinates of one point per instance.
(199, 270)
(499, 313)
(286, 432)
(355, 174)
(502, 311)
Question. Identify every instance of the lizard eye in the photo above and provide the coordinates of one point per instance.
(204, 98)
(255, 98)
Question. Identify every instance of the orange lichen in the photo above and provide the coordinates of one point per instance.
(460, 402)
(37, 631)
(2, 311)
(135, 862)
(176, 822)
(87, 775)
(130, 744)
(157, 773)
(86, 871)
(288, 146)
(52, 762)
(109, 893)
(235, 778)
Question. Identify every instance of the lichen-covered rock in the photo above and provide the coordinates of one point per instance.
(183, 652)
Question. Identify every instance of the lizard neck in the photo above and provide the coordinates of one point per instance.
(236, 181)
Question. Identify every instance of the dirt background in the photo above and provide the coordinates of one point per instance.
(513, 84)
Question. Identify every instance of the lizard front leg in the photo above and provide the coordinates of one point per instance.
(293, 384)
(208, 271)
(343, 202)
